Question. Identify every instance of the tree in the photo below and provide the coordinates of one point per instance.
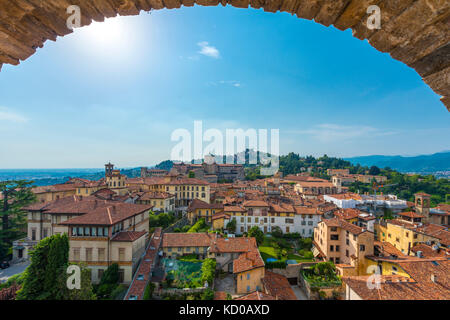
(257, 233)
(374, 171)
(108, 282)
(231, 226)
(16, 195)
(276, 232)
(49, 260)
(86, 291)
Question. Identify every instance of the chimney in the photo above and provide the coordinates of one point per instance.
(434, 278)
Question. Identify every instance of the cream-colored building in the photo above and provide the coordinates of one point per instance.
(341, 242)
(101, 232)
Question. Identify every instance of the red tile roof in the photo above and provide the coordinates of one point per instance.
(248, 261)
(128, 236)
(187, 239)
(109, 215)
(137, 287)
(228, 245)
(278, 286)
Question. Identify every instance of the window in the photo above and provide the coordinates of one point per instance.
(346, 253)
(347, 242)
(338, 260)
(248, 288)
(121, 255)
(88, 254)
(362, 247)
(94, 232)
(334, 237)
(337, 248)
(87, 231)
(33, 234)
(74, 232)
(333, 229)
(331, 248)
(248, 276)
(101, 254)
(45, 232)
(76, 254)
(100, 273)
(121, 275)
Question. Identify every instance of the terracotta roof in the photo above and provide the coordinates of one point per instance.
(410, 214)
(108, 215)
(228, 245)
(220, 216)
(278, 286)
(248, 261)
(336, 222)
(285, 208)
(137, 286)
(149, 195)
(347, 214)
(54, 188)
(187, 239)
(220, 295)
(255, 203)
(128, 236)
(233, 209)
(256, 296)
(70, 205)
(305, 210)
(428, 251)
(388, 249)
(419, 287)
(199, 204)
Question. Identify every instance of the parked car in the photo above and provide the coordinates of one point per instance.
(4, 264)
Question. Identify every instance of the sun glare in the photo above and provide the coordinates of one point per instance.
(112, 39)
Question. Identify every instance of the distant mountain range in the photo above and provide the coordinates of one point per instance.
(437, 162)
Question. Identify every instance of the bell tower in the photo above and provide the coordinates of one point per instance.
(422, 205)
(109, 167)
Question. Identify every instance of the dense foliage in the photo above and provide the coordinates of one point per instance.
(108, 283)
(402, 185)
(162, 220)
(15, 195)
(257, 233)
(208, 271)
(231, 226)
(199, 226)
(46, 276)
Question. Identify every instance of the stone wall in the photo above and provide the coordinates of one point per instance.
(415, 32)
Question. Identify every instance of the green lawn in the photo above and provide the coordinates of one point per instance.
(268, 251)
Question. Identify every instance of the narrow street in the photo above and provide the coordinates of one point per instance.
(14, 269)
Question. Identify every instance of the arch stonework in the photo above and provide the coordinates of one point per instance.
(416, 32)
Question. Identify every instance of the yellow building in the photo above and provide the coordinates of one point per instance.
(249, 271)
(161, 201)
(115, 180)
(184, 189)
(199, 209)
(404, 235)
(54, 192)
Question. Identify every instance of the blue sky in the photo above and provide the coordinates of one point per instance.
(116, 91)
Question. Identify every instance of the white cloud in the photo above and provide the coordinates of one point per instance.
(208, 50)
(10, 116)
(233, 83)
(332, 132)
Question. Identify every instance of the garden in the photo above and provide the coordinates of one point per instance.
(188, 272)
(279, 250)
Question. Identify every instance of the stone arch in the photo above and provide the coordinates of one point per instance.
(415, 32)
